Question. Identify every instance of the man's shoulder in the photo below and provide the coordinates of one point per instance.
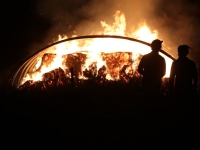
(191, 61)
(161, 57)
(184, 61)
(145, 56)
(153, 56)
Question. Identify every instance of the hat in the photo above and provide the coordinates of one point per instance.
(156, 42)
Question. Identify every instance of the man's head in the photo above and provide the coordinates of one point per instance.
(183, 50)
(156, 45)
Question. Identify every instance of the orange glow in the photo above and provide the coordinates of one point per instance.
(111, 53)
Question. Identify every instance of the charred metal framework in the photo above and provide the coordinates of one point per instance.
(21, 71)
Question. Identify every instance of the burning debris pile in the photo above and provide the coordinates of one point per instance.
(119, 65)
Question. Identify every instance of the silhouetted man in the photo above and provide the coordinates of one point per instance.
(152, 67)
(183, 76)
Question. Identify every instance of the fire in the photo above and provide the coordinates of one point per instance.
(116, 55)
(118, 27)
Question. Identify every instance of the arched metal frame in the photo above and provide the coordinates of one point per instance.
(20, 72)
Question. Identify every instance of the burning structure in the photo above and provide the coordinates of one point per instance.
(111, 56)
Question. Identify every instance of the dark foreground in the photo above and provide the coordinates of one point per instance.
(97, 118)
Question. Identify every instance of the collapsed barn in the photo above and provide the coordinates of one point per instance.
(118, 67)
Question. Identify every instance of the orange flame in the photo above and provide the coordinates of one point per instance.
(96, 49)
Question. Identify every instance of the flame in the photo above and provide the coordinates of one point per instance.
(118, 27)
(144, 33)
(111, 53)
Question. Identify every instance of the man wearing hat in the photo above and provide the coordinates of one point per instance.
(183, 76)
(152, 67)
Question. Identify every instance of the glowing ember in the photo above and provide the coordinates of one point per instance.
(109, 57)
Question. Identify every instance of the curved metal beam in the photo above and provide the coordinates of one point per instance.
(30, 60)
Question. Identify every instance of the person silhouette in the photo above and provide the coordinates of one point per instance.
(152, 67)
(183, 75)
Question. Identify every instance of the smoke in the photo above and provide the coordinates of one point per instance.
(176, 21)
(85, 16)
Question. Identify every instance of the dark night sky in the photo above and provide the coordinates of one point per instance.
(29, 26)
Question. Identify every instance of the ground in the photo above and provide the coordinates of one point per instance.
(87, 117)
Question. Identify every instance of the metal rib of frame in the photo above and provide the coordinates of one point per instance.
(21, 71)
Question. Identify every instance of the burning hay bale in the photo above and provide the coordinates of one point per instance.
(31, 85)
(115, 61)
(54, 78)
(47, 59)
(102, 73)
(92, 71)
(75, 61)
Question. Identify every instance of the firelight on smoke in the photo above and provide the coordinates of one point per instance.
(109, 53)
